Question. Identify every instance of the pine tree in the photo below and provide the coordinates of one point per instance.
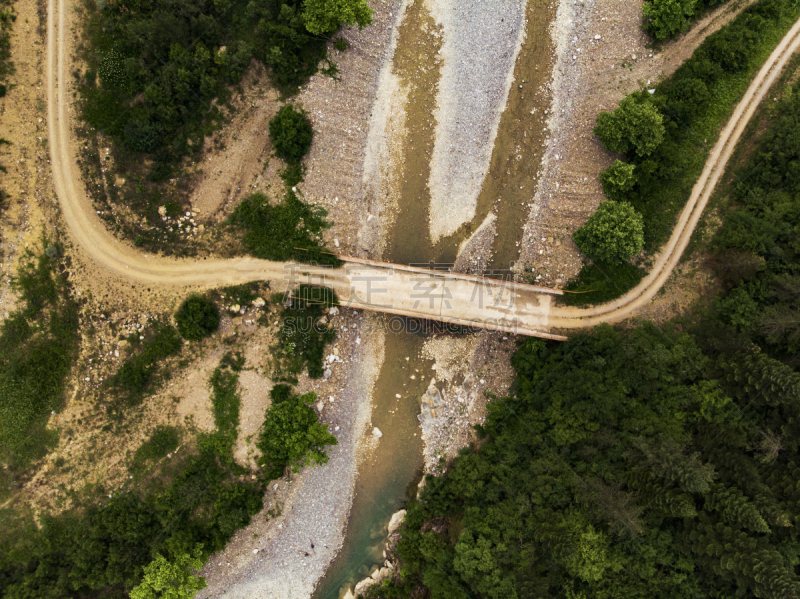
(734, 508)
(733, 554)
(656, 494)
(667, 460)
(757, 378)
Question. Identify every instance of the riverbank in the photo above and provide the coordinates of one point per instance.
(601, 56)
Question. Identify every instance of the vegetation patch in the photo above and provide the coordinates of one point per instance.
(140, 374)
(289, 230)
(692, 104)
(197, 318)
(292, 435)
(600, 282)
(291, 134)
(163, 440)
(38, 344)
(303, 334)
(149, 537)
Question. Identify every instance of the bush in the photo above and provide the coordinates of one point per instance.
(665, 18)
(292, 436)
(324, 17)
(291, 134)
(135, 377)
(197, 318)
(163, 440)
(614, 233)
(618, 179)
(276, 232)
(636, 125)
(302, 338)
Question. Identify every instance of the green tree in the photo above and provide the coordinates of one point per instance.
(665, 18)
(323, 17)
(171, 580)
(292, 436)
(635, 125)
(614, 233)
(291, 134)
(618, 179)
(197, 317)
(735, 508)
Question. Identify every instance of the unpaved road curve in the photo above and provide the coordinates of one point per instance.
(452, 298)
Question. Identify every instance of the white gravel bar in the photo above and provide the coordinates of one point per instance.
(481, 40)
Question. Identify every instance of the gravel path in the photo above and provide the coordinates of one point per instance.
(481, 43)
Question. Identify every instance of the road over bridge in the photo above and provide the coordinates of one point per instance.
(373, 285)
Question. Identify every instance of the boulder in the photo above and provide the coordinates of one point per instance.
(396, 520)
(364, 585)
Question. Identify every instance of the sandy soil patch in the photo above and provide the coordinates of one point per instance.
(29, 207)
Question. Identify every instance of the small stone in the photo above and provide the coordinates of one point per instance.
(358, 340)
(376, 432)
(327, 374)
(336, 242)
(259, 302)
(235, 308)
(162, 210)
(597, 37)
(330, 399)
(397, 395)
(255, 551)
(320, 406)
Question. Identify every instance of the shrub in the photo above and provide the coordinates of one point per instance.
(665, 18)
(614, 233)
(618, 179)
(197, 318)
(135, 376)
(323, 17)
(291, 134)
(302, 339)
(636, 125)
(292, 436)
(162, 441)
(276, 232)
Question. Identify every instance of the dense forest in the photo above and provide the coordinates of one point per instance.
(158, 67)
(643, 462)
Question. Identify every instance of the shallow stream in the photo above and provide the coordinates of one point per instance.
(389, 477)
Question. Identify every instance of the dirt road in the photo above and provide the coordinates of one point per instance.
(369, 285)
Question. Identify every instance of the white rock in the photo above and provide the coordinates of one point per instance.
(320, 406)
(376, 432)
(259, 302)
(330, 399)
(651, 91)
(358, 340)
(597, 37)
(327, 374)
(162, 210)
(255, 551)
(235, 308)
(396, 520)
(333, 311)
(336, 242)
